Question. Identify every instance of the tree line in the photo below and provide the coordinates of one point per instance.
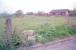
(57, 12)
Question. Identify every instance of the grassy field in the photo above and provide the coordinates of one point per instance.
(34, 22)
(2, 26)
(40, 25)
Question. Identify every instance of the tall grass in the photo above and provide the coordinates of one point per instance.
(15, 42)
(48, 32)
(51, 30)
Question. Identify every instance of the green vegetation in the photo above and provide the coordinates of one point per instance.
(33, 22)
(3, 43)
(47, 29)
(47, 33)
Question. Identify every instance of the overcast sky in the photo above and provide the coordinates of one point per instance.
(35, 5)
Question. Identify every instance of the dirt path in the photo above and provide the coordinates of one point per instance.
(65, 44)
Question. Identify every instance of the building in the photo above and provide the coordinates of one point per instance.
(72, 13)
(59, 12)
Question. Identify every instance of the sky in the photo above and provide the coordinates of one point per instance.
(11, 6)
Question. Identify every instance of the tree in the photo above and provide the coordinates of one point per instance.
(40, 13)
(19, 13)
(29, 13)
(4, 14)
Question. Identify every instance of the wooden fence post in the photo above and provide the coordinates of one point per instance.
(9, 31)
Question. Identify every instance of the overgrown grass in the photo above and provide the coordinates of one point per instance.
(33, 22)
(48, 29)
(15, 43)
(3, 43)
(47, 33)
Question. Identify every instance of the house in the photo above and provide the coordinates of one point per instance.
(59, 12)
(72, 13)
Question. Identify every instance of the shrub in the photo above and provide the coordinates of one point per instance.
(15, 42)
(49, 32)
(4, 46)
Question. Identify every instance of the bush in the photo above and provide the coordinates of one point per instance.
(15, 42)
(48, 32)
(4, 46)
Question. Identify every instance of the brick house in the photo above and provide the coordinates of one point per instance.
(59, 12)
(72, 13)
